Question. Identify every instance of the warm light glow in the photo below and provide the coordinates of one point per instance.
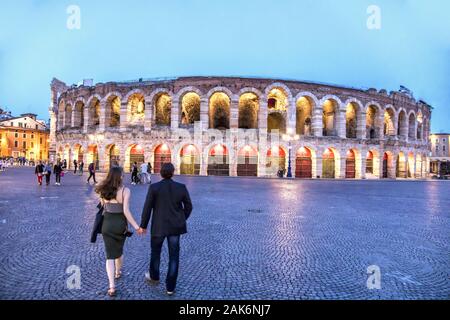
(164, 147)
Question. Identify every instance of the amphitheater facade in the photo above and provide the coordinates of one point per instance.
(239, 126)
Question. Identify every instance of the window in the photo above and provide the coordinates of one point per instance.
(24, 135)
(16, 135)
(437, 149)
(16, 144)
(12, 124)
(443, 140)
(443, 148)
(25, 125)
(32, 136)
(40, 140)
(32, 144)
(20, 124)
(37, 127)
(24, 144)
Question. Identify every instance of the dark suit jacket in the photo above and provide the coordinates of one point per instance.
(171, 206)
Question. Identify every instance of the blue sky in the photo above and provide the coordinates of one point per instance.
(315, 40)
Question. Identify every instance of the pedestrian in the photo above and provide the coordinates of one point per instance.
(58, 170)
(75, 165)
(64, 165)
(134, 174)
(81, 167)
(115, 199)
(91, 169)
(47, 172)
(144, 175)
(39, 172)
(171, 206)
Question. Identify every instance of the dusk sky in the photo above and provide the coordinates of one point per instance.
(314, 40)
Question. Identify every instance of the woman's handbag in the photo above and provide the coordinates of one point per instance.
(62, 173)
(98, 223)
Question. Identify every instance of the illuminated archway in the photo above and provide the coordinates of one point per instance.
(389, 122)
(113, 111)
(189, 160)
(372, 130)
(190, 108)
(219, 111)
(162, 109)
(68, 115)
(248, 111)
(275, 160)
(92, 156)
(303, 163)
(162, 155)
(247, 165)
(401, 169)
(402, 130)
(94, 112)
(113, 157)
(218, 161)
(79, 115)
(136, 109)
(412, 131)
(350, 165)
(328, 164)
(304, 116)
(351, 120)
(330, 117)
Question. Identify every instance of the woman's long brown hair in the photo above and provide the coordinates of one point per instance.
(107, 189)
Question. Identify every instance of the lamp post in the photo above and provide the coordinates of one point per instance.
(289, 137)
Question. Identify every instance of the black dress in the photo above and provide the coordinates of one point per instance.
(113, 229)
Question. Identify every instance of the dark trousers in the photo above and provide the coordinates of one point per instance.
(173, 243)
(58, 177)
(91, 175)
(75, 171)
(134, 177)
(47, 178)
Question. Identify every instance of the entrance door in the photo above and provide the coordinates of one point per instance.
(350, 172)
(328, 167)
(247, 163)
(303, 164)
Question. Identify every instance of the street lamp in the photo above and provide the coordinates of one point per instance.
(289, 137)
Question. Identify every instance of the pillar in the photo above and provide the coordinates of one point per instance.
(174, 115)
(341, 126)
(317, 124)
(204, 119)
(234, 113)
(148, 115)
(103, 115)
(361, 126)
(262, 117)
(123, 115)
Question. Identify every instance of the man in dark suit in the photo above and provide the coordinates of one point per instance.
(171, 206)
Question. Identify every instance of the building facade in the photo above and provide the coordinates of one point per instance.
(242, 127)
(440, 154)
(24, 136)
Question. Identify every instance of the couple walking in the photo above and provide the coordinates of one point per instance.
(167, 203)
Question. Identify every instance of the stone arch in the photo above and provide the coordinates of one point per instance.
(134, 152)
(189, 108)
(402, 127)
(68, 115)
(113, 103)
(93, 105)
(410, 165)
(135, 101)
(219, 109)
(112, 156)
(247, 161)
(390, 125)
(162, 153)
(420, 125)
(373, 113)
(78, 153)
(330, 115)
(218, 163)
(189, 159)
(276, 159)
(93, 155)
(412, 131)
(78, 113)
(306, 104)
(161, 100)
(279, 85)
(331, 163)
(249, 104)
(402, 165)
(61, 113)
(305, 163)
(353, 117)
(373, 164)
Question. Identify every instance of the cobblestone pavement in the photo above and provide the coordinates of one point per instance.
(248, 239)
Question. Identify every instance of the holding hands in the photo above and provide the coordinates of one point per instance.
(141, 231)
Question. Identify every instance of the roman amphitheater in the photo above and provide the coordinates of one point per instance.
(237, 126)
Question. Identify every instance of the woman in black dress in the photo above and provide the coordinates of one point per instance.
(116, 216)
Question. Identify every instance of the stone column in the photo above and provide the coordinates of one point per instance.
(204, 164)
(204, 114)
(102, 124)
(340, 167)
(412, 167)
(361, 126)
(392, 167)
(291, 117)
(361, 163)
(148, 115)
(341, 125)
(262, 117)
(317, 122)
(86, 119)
(123, 116)
(234, 113)
(174, 115)
(318, 171)
(52, 137)
(380, 125)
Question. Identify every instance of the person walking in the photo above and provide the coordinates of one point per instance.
(57, 170)
(134, 174)
(75, 166)
(39, 172)
(144, 175)
(91, 169)
(47, 172)
(81, 167)
(169, 205)
(115, 199)
(64, 165)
